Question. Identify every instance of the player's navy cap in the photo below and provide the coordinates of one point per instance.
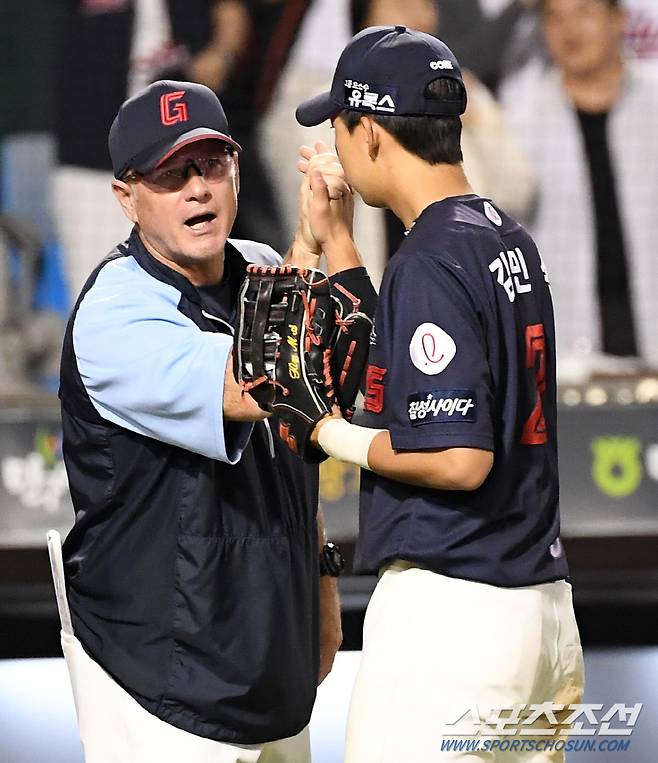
(386, 70)
(162, 118)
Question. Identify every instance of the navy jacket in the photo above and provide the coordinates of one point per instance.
(192, 567)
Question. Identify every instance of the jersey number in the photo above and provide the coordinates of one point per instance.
(534, 431)
(374, 397)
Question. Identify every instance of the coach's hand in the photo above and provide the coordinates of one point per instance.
(304, 245)
(237, 404)
(306, 251)
(327, 162)
(330, 221)
(331, 632)
(320, 162)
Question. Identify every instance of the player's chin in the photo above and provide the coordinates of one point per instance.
(371, 194)
(374, 200)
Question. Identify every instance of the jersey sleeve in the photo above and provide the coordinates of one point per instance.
(439, 388)
(149, 368)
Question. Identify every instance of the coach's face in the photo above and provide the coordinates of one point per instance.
(185, 223)
(583, 36)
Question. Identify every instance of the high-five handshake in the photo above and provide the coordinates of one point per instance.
(302, 336)
(327, 206)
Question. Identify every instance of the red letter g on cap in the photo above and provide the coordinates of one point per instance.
(170, 111)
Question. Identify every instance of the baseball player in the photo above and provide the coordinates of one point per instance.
(457, 439)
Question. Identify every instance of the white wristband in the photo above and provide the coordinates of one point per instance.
(347, 442)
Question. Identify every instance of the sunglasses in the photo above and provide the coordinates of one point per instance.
(173, 176)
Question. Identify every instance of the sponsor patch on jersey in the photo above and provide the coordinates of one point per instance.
(431, 349)
(442, 405)
(492, 213)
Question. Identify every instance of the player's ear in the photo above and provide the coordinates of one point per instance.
(371, 131)
(125, 196)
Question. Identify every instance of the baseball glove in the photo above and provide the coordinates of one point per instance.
(301, 345)
(282, 349)
(355, 300)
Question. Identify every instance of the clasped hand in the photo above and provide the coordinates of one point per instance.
(326, 200)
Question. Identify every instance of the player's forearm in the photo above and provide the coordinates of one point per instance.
(341, 254)
(326, 209)
(444, 469)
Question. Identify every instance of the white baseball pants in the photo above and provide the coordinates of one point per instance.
(434, 647)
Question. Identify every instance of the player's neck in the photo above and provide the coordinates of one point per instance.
(423, 184)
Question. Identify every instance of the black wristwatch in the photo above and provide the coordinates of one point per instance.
(332, 562)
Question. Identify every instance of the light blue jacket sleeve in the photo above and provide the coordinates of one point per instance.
(149, 368)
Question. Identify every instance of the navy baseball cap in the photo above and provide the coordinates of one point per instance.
(162, 118)
(386, 71)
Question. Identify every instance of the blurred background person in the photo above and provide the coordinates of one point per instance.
(588, 123)
(489, 37)
(110, 49)
(106, 50)
(643, 28)
(31, 291)
(274, 26)
(30, 332)
(322, 36)
(27, 38)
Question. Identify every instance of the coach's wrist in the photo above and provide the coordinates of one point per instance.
(331, 632)
(304, 253)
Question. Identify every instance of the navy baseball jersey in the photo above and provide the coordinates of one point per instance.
(463, 355)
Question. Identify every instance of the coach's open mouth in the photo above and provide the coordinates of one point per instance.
(199, 222)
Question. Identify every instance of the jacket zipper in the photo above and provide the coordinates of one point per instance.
(270, 439)
(219, 320)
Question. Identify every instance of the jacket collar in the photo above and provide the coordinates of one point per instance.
(160, 271)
